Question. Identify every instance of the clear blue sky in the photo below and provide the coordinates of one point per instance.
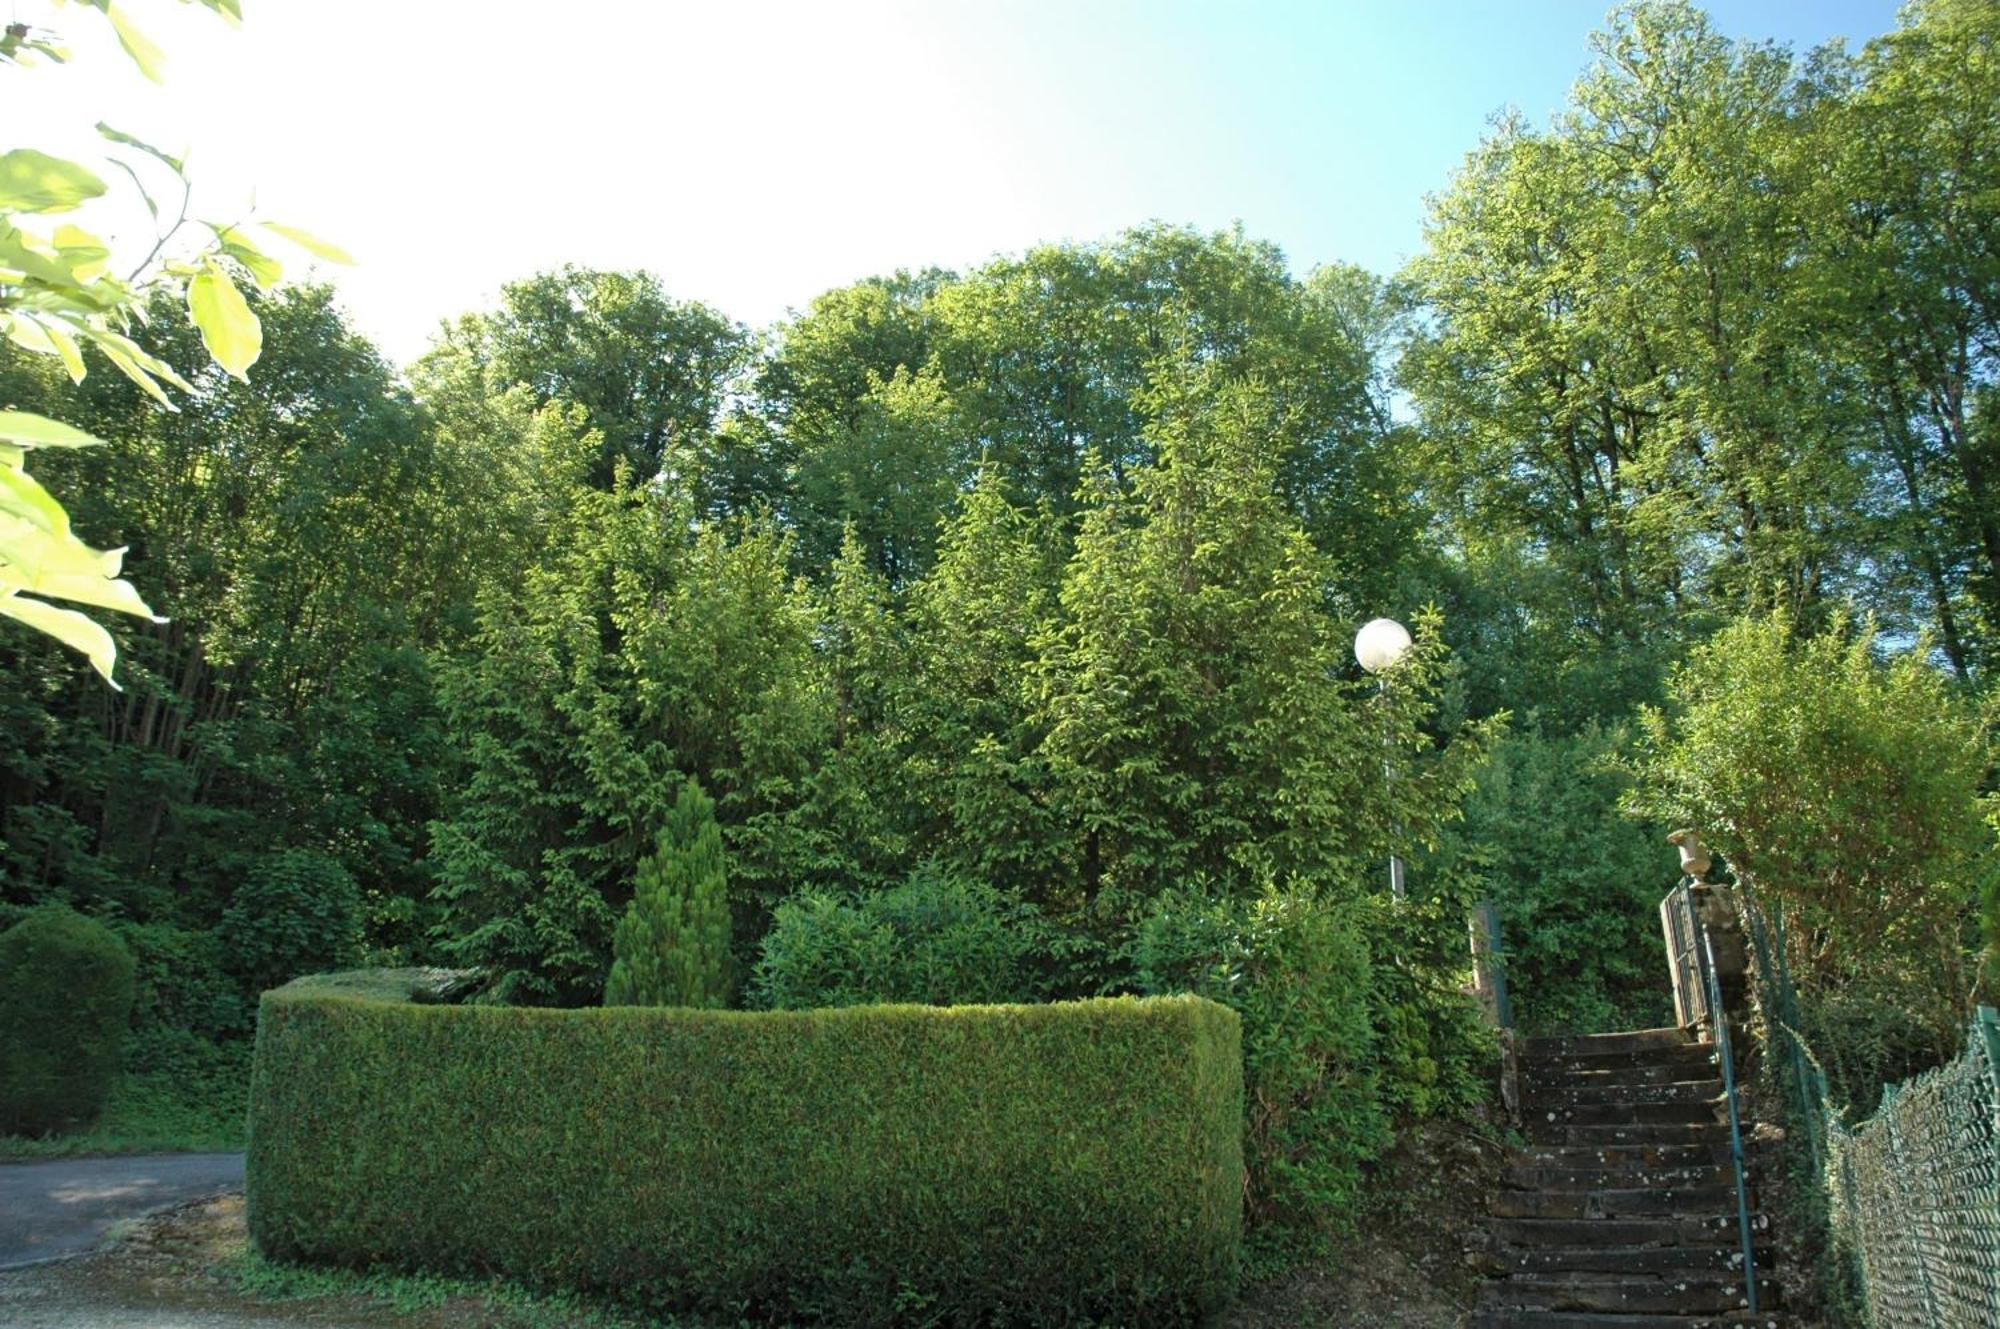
(754, 153)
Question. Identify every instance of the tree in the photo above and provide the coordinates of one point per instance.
(672, 946)
(58, 294)
(1201, 723)
(650, 372)
(1847, 788)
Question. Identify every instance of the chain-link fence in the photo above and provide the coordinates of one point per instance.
(1913, 1193)
(1916, 1193)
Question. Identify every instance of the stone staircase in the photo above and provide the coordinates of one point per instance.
(1621, 1212)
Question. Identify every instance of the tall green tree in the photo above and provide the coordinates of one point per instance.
(652, 373)
(1201, 721)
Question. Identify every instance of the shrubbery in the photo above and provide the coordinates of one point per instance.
(65, 998)
(936, 939)
(297, 912)
(1059, 1164)
(1297, 970)
(1848, 789)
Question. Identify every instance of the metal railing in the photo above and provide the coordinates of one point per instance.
(1698, 986)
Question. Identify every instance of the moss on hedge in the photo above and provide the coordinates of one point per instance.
(1071, 1163)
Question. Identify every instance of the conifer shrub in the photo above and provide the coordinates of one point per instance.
(671, 948)
(65, 999)
(1072, 1163)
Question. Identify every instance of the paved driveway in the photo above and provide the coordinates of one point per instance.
(64, 1206)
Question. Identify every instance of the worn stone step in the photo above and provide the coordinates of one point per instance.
(1692, 1090)
(1678, 1294)
(1519, 1319)
(1627, 1176)
(1634, 1203)
(1596, 1045)
(1705, 1230)
(1625, 1155)
(1628, 1259)
(1639, 1135)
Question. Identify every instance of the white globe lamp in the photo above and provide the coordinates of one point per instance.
(1381, 644)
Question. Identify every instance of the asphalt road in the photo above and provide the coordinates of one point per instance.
(64, 1206)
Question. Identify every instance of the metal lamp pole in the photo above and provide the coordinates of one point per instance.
(1378, 648)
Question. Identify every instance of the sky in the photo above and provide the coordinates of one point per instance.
(755, 153)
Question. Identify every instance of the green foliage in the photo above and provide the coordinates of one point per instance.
(1298, 972)
(185, 984)
(1577, 885)
(935, 939)
(1846, 787)
(297, 912)
(770, 1163)
(65, 999)
(175, 1092)
(649, 372)
(58, 294)
(1201, 721)
(672, 946)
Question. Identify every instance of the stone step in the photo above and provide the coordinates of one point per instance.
(1692, 1090)
(1625, 1155)
(1705, 1230)
(1679, 1294)
(1518, 1319)
(1638, 1135)
(1627, 1259)
(1667, 1039)
(1628, 1176)
(1612, 1203)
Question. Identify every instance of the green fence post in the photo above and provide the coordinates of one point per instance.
(1986, 1021)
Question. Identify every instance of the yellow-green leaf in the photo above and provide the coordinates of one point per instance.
(120, 136)
(228, 328)
(311, 243)
(152, 61)
(38, 431)
(32, 181)
(72, 629)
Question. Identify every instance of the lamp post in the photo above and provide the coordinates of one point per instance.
(1378, 648)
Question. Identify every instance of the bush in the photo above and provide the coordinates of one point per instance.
(65, 998)
(183, 983)
(936, 939)
(1054, 1164)
(672, 946)
(1847, 789)
(1297, 970)
(297, 912)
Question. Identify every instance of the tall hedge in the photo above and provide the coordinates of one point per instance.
(1061, 1164)
(65, 999)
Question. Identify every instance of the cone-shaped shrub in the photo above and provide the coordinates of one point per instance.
(672, 946)
(65, 998)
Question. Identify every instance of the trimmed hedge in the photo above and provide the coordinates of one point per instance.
(1070, 1163)
(65, 999)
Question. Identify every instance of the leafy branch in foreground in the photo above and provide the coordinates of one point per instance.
(59, 294)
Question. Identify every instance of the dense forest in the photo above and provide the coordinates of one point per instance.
(1007, 614)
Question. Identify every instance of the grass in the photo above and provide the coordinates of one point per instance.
(187, 1099)
(488, 1301)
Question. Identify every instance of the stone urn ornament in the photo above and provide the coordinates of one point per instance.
(1695, 858)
